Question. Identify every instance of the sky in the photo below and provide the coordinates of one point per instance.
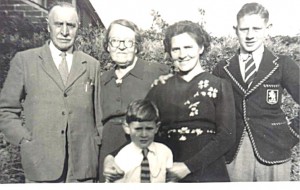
(220, 15)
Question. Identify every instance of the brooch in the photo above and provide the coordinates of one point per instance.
(119, 81)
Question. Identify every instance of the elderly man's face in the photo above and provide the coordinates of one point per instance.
(122, 47)
(63, 25)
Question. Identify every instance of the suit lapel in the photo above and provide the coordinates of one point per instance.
(49, 67)
(47, 63)
(78, 68)
(266, 68)
(233, 70)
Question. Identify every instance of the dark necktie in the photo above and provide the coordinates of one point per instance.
(249, 70)
(145, 171)
(63, 68)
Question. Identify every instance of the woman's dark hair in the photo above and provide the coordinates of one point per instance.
(193, 29)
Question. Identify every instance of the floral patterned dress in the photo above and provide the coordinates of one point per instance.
(198, 123)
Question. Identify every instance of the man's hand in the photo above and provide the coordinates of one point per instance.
(161, 79)
(177, 172)
(111, 171)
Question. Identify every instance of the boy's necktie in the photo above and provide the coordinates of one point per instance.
(63, 68)
(145, 170)
(249, 70)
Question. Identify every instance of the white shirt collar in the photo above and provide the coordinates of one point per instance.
(138, 150)
(53, 49)
(255, 54)
(57, 58)
(56, 51)
(257, 57)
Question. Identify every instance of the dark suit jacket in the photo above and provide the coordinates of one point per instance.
(50, 107)
(258, 108)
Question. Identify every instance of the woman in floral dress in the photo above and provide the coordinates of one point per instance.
(197, 109)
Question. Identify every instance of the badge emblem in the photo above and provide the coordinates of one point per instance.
(272, 96)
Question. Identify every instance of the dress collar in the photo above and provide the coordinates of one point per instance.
(137, 71)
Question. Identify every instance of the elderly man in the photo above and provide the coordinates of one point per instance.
(57, 88)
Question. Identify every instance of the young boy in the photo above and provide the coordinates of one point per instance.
(258, 76)
(143, 160)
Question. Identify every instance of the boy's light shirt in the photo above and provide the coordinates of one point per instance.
(130, 157)
(257, 57)
(55, 53)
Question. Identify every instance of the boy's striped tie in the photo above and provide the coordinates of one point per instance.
(145, 170)
(250, 70)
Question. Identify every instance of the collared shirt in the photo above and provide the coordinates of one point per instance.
(130, 157)
(115, 97)
(57, 58)
(257, 57)
(120, 73)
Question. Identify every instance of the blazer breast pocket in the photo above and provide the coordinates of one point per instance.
(273, 94)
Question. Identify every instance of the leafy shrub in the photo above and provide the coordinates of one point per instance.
(17, 35)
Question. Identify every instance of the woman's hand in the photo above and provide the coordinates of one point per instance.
(111, 171)
(177, 172)
(161, 79)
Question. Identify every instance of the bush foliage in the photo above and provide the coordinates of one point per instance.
(17, 35)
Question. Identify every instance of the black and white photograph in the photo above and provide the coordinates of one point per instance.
(182, 94)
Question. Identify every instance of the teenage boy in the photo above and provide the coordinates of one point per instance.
(258, 76)
(143, 160)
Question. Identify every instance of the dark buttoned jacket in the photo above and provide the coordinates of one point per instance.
(259, 107)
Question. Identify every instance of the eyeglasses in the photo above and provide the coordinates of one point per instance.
(116, 42)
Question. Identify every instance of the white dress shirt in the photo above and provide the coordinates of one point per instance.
(57, 58)
(130, 157)
(257, 57)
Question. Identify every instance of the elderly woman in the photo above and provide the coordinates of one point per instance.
(130, 79)
(196, 108)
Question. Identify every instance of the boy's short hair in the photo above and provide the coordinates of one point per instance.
(253, 9)
(142, 110)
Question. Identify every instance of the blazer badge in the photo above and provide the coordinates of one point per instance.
(272, 96)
